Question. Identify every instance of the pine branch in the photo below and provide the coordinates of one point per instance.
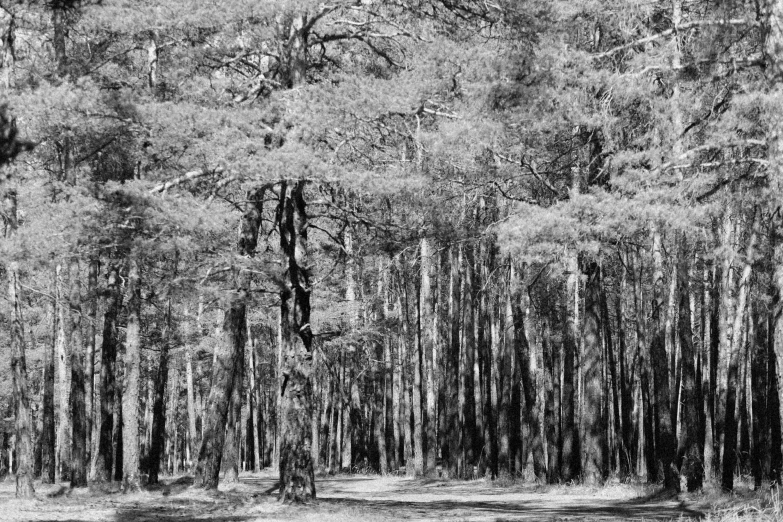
(673, 30)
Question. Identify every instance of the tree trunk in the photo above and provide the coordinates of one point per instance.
(297, 480)
(92, 318)
(231, 462)
(453, 453)
(428, 335)
(48, 439)
(773, 54)
(63, 371)
(665, 441)
(152, 464)
(223, 376)
(79, 432)
(130, 397)
(689, 452)
(23, 425)
(407, 407)
(423, 345)
(552, 405)
(730, 429)
(570, 447)
(467, 372)
(595, 446)
(104, 459)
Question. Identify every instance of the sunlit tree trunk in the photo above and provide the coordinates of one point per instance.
(130, 396)
(428, 336)
(63, 374)
(407, 407)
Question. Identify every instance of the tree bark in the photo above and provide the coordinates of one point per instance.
(48, 446)
(223, 376)
(570, 454)
(595, 467)
(152, 464)
(297, 480)
(92, 317)
(689, 452)
(423, 344)
(467, 372)
(665, 442)
(730, 429)
(63, 373)
(130, 397)
(23, 425)
(104, 459)
(80, 435)
(428, 335)
(453, 453)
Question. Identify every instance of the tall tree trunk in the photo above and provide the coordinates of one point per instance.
(79, 439)
(595, 446)
(552, 406)
(223, 376)
(255, 401)
(108, 388)
(423, 345)
(730, 430)
(689, 451)
(48, 446)
(467, 390)
(23, 424)
(152, 464)
(709, 339)
(760, 458)
(773, 54)
(130, 397)
(665, 442)
(407, 407)
(428, 333)
(453, 454)
(570, 447)
(63, 371)
(92, 317)
(297, 480)
(228, 353)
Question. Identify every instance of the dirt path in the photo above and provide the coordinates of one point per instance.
(359, 498)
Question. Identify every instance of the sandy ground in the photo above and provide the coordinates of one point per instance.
(354, 498)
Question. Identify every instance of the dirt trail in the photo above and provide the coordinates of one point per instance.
(357, 498)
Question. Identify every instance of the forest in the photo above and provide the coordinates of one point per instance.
(511, 240)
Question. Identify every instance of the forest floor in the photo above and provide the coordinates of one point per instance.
(361, 498)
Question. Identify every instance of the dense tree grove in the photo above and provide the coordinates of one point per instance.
(433, 237)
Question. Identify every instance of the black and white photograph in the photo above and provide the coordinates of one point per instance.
(391, 260)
